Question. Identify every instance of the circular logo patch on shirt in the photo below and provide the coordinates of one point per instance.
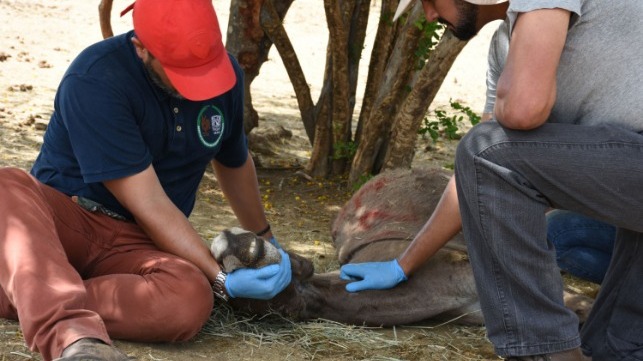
(210, 125)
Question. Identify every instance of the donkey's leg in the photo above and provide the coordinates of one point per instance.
(444, 284)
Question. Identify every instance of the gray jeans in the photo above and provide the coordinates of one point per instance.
(506, 180)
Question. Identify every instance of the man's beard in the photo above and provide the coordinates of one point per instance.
(156, 79)
(466, 28)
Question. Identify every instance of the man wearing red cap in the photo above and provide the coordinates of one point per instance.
(567, 133)
(96, 242)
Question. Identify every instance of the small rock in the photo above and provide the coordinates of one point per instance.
(29, 121)
(40, 125)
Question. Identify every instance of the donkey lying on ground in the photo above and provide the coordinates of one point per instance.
(377, 224)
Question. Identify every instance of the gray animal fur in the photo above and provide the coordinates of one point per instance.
(237, 248)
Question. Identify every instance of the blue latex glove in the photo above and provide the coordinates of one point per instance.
(372, 275)
(260, 283)
(274, 242)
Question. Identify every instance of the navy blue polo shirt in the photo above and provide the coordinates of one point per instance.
(110, 121)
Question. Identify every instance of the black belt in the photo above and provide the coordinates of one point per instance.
(96, 207)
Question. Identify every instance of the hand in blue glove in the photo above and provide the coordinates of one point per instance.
(260, 283)
(372, 275)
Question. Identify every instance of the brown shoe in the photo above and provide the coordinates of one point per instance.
(91, 349)
(569, 355)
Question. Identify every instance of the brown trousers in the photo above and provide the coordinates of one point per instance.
(68, 273)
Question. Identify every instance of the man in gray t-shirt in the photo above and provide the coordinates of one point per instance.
(567, 134)
(568, 110)
(583, 245)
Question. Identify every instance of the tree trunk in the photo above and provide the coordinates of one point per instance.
(105, 18)
(248, 43)
(382, 140)
(382, 48)
(338, 25)
(319, 163)
(273, 26)
(401, 150)
(391, 93)
(347, 21)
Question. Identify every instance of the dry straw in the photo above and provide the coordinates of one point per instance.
(323, 339)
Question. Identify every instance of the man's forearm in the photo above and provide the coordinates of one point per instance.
(444, 224)
(161, 220)
(240, 187)
(173, 233)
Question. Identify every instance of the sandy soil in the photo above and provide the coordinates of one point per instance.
(39, 39)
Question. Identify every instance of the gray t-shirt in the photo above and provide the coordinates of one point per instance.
(498, 50)
(600, 75)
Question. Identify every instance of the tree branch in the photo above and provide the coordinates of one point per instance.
(273, 26)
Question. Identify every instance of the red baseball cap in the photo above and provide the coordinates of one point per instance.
(184, 36)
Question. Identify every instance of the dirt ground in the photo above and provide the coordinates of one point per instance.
(38, 40)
